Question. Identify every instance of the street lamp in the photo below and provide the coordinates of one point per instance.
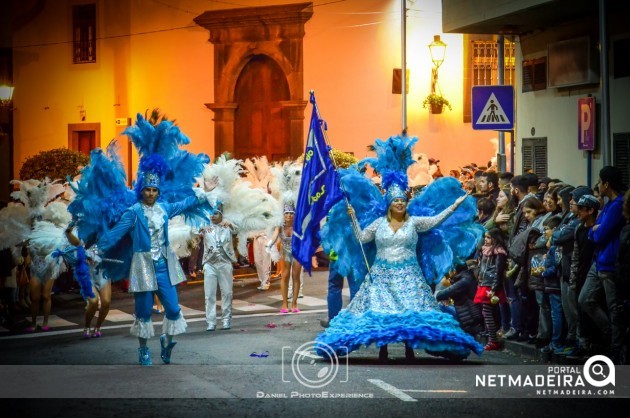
(437, 48)
(6, 94)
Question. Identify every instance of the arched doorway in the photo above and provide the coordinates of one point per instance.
(260, 128)
(258, 79)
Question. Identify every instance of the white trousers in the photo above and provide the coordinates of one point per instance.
(262, 259)
(221, 274)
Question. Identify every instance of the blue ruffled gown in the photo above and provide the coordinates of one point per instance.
(394, 303)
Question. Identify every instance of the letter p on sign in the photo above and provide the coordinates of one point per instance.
(586, 123)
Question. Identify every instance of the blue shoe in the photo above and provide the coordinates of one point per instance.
(563, 351)
(144, 356)
(165, 354)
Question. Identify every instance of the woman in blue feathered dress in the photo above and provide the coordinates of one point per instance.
(395, 302)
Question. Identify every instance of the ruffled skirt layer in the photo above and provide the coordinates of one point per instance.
(395, 305)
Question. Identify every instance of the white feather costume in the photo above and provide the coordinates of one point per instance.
(180, 236)
(15, 225)
(288, 178)
(41, 222)
(250, 209)
(420, 174)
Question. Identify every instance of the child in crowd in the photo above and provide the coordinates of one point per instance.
(551, 283)
(491, 276)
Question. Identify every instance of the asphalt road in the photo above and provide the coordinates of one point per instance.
(263, 366)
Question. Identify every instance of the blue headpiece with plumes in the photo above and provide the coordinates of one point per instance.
(393, 158)
(151, 180)
(395, 192)
(176, 169)
(289, 207)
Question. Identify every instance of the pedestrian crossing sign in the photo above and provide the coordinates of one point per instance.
(493, 108)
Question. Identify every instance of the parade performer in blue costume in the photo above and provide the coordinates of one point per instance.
(139, 236)
(407, 247)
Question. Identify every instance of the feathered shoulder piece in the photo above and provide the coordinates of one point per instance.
(393, 158)
(288, 177)
(228, 171)
(15, 225)
(36, 194)
(453, 240)
(337, 235)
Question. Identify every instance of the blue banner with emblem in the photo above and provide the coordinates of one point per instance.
(319, 191)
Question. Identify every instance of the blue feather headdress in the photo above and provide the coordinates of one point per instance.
(160, 154)
(393, 158)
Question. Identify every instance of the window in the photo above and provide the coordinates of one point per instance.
(84, 33)
(535, 156)
(481, 66)
(621, 155)
(534, 74)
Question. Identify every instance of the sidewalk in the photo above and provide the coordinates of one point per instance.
(534, 354)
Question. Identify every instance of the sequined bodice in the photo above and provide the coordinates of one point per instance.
(400, 245)
(155, 219)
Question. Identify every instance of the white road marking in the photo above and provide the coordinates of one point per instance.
(245, 306)
(308, 354)
(188, 312)
(54, 321)
(306, 300)
(116, 315)
(392, 390)
(80, 330)
(435, 390)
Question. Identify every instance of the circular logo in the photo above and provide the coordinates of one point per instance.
(310, 373)
(596, 374)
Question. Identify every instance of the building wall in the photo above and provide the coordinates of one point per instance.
(350, 51)
(554, 114)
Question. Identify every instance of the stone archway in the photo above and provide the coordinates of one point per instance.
(255, 46)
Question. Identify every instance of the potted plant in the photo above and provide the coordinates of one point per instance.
(436, 103)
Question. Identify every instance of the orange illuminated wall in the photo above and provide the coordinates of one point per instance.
(152, 54)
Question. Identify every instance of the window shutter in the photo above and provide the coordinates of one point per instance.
(534, 74)
(621, 152)
(534, 152)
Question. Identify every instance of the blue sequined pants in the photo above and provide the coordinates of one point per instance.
(167, 293)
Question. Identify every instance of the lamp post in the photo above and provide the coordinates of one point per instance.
(6, 95)
(6, 140)
(437, 48)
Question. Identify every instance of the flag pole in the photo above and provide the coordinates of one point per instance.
(355, 224)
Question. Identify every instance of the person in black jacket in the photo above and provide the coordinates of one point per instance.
(491, 277)
(622, 273)
(462, 291)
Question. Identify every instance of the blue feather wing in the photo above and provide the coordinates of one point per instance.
(454, 239)
(337, 234)
(102, 194)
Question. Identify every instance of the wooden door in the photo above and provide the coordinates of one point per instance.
(261, 128)
(86, 142)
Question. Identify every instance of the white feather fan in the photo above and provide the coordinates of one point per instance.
(15, 225)
(180, 236)
(57, 213)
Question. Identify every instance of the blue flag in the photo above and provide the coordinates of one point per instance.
(319, 191)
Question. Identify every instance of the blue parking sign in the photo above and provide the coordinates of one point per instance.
(493, 108)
